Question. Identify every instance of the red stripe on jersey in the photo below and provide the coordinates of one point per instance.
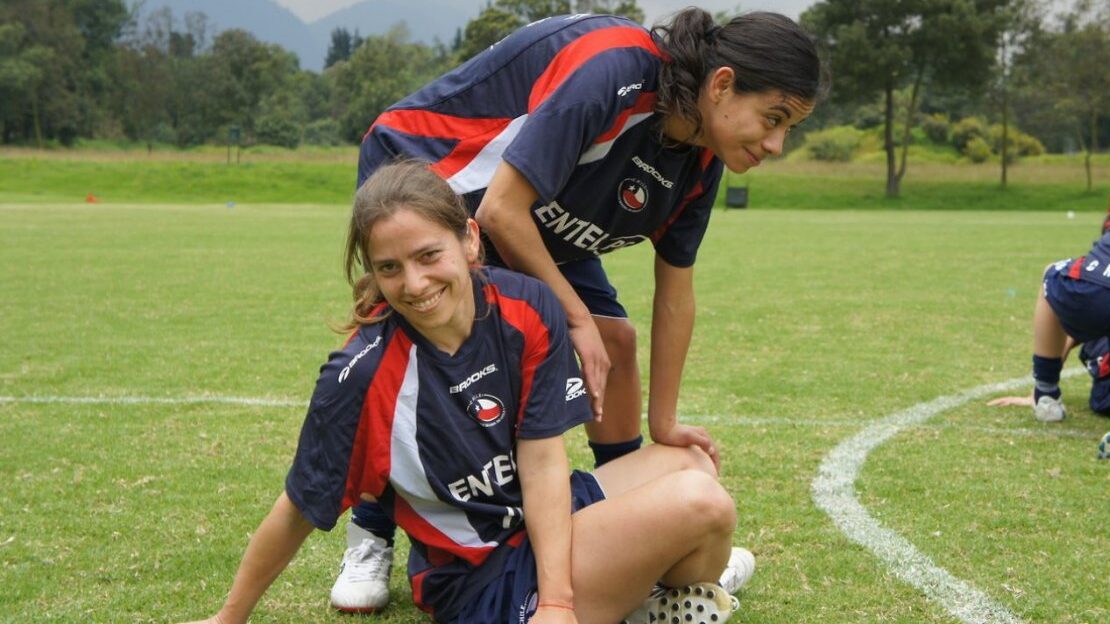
(465, 151)
(703, 163)
(417, 583)
(472, 134)
(1073, 271)
(368, 471)
(376, 311)
(1104, 366)
(580, 51)
(421, 530)
(517, 538)
(436, 125)
(644, 104)
(521, 315)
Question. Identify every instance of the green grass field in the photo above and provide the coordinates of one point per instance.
(326, 175)
(131, 483)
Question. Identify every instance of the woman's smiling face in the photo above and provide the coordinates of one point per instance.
(744, 128)
(423, 271)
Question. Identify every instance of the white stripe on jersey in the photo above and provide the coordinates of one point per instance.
(600, 150)
(407, 473)
(479, 171)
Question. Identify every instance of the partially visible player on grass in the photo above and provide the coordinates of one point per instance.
(1073, 308)
(447, 406)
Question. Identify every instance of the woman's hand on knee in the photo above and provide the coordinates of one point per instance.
(689, 435)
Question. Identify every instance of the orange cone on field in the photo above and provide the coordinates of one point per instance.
(91, 199)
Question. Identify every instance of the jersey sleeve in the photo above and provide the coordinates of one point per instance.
(317, 481)
(575, 102)
(374, 152)
(554, 395)
(678, 240)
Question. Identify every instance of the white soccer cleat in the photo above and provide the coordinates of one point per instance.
(700, 603)
(1048, 409)
(738, 571)
(363, 582)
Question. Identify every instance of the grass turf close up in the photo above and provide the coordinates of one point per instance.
(136, 506)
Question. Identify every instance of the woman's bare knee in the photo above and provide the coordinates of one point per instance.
(705, 502)
(619, 336)
(683, 458)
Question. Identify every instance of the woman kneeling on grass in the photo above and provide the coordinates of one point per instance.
(447, 405)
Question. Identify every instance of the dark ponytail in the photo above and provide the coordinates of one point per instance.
(765, 50)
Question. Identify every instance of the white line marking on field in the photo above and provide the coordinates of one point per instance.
(701, 419)
(835, 493)
(815, 423)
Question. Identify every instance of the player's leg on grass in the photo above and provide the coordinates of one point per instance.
(665, 517)
(656, 461)
(618, 433)
(1049, 340)
(362, 585)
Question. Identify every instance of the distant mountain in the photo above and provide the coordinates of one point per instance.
(264, 19)
(427, 20)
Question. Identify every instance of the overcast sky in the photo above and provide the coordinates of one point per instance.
(311, 10)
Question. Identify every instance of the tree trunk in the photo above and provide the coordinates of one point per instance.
(1092, 145)
(1005, 133)
(906, 136)
(892, 181)
(35, 120)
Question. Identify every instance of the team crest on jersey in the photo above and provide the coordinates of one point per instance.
(632, 195)
(487, 409)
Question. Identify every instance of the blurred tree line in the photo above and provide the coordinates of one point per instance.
(74, 69)
(991, 64)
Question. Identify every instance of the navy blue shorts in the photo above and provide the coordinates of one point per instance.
(512, 596)
(588, 279)
(1083, 307)
(1095, 355)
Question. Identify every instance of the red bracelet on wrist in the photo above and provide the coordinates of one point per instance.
(556, 605)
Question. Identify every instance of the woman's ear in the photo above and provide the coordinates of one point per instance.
(719, 84)
(473, 242)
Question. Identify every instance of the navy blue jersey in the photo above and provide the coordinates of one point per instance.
(1095, 266)
(432, 436)
(569, 102)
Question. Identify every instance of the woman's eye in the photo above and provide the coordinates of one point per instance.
(774, 121)
(431, 256)
(387, 268)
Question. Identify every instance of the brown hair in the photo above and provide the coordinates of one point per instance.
(765, 51)
(403, 185)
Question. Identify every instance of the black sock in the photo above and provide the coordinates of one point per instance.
(1046, 377)
(372, 517)
(605, 453)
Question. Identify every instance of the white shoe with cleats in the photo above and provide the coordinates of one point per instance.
(1048, 409)
(700, 603)
(738, 571)
(363, 582)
